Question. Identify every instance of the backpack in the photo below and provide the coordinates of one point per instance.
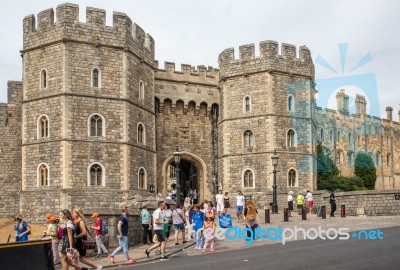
(60, 232)
(104, 228)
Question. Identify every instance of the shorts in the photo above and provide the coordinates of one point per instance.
(179, 227)
(299, 206)
(220, 208)
(160, 235)
(290, 205)
(239, 209)
(227, 204)
(310, 204)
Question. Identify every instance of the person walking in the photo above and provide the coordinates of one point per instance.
(68, 241)
(332, 201)
(168, 215)
(81, 233)
(179, 222)
(146, 224)
(52, 231)
(300, 202)
(310, 200)
(227, 204)
(23, 229)
(290, 202)
(159, 221)
(239, 206)
(209, 233)
(195, 197)
(97, 227)
(220, 202)
(198, 220)
(123, 227)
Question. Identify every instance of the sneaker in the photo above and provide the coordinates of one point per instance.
(111, 258)
(99, 268)
(131, 260)
(176, 244)
(165, 258)
(184, 242)
(147, 253)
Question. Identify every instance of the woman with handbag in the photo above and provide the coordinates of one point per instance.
(81, 233)
(179, 222)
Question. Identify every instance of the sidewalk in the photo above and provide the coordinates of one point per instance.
(137, 252)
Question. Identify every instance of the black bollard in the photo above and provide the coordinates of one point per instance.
(286, 215)
(343, 211)
(303, 214)
(323, 210)
(267, 216)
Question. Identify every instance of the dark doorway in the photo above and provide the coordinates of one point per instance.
(188, 177)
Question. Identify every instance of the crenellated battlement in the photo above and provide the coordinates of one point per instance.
(188, 74)
(288, 61)
(123, 33)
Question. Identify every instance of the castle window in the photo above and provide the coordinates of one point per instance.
(388, 160)
(322, 135)
(156, 105)
(350, 158)
(172, 172)
(247, 104)
(43, 79)
(378, 158)
(338, 135)
(338, 156)
(291, 138)
(292, 178)
(141, 134)
(43, 127)
(248, 139)
(96, 175)
(331, 135)
(43, 175)
(290, 101)
(141, 90)
(96, 126)
(248, 179)
(142, 178)
(349, 139)
(96, 77)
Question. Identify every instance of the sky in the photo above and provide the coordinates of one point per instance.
(339, 34)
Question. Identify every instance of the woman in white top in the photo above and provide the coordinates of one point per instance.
(168, 216)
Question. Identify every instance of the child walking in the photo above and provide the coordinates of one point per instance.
(198, 220)
(209, 232)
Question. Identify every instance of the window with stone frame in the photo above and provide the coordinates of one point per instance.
(388, 160)
(247, 104)
(322, 135)
(292, 178)
(291, 138)
(290, 101)
(43, 79)
(43, 175)
(43, 127)
(141, 136)
(141, 90)
(96, 126)
(96, 175)
(338, 156)
(95, 77)
(248, 179)
(378, 158)
(331, 135)
(172, 172)
(349, 139)
(248, 139)
(142, 178)
(350, 158)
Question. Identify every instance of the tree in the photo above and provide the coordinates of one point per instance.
(326, 169)
(365, 169)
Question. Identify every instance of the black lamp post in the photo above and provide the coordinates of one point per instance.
(274, 159)
(177, 156)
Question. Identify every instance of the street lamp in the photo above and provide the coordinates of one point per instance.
(177, 156)
(274, 159)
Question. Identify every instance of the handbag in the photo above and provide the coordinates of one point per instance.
(89, 244)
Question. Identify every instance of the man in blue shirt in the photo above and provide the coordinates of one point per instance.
(123, 226)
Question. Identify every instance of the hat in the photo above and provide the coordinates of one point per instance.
(95, 215)
(291, 192)
(48, 216)
(19, 216)
(53, 219)
(209, 216)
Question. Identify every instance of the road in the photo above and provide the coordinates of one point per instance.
(306, 254)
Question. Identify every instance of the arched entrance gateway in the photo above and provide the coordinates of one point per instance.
(193, 174)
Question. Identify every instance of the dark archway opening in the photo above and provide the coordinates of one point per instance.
(188, 177)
